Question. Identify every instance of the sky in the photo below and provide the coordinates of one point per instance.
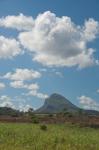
(49, 47)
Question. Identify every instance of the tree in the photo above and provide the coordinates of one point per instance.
(80, 112)
(30, 111)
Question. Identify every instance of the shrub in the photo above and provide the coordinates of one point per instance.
(35, 119)
(50, 115)
(43, 127)
(70, 115)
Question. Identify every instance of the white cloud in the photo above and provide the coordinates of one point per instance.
(37, 94)
(22, 102)
(42, 95)
(9, 48)
(22, 75)
(19, 22)
(5, 101)
(24, 108)
(91, 29)
(17, 84)
(2, 86)
(21, 84)
(55, 41)
(32, 88)
(88, 103)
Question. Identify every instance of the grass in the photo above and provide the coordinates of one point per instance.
(57, 137)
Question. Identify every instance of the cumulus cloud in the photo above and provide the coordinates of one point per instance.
(22, 75)
(55, 41)
(91, 29)
(19, 22)
(2, 86)
(9, 48)
(24, 108)
(21, 84)
(33, 86)
(52, 41)
(37, 94)
(32, 89)
(88, 103)
(19, 77)
(17, 84)
(5, 101)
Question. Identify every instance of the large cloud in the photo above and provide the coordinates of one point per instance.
(9, 48)
(55, 41)
(88, 102)
(19, 22)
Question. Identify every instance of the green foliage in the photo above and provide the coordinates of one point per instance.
(30, 111)
(34, 119)
(9, 111)
(43, 127)
(80, 112)
(66, 113)
(50, 115)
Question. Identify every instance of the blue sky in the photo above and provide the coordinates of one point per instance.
(49, 47)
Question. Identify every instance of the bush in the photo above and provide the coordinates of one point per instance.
(43, 127)
(70, 115)
(35, 119)
(50, 115)
(14, 115)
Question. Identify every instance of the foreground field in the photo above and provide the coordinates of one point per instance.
(21, 136)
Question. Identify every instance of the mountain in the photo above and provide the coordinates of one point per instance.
(57, 103)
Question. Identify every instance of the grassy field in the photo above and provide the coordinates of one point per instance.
(57, 137)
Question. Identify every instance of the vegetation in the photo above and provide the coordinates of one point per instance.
(9, 111)
(35, 119)
(57, 137)
(43, 127)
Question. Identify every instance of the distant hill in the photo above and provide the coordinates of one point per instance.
(91, 112)
(57, 103)
(6, 111)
